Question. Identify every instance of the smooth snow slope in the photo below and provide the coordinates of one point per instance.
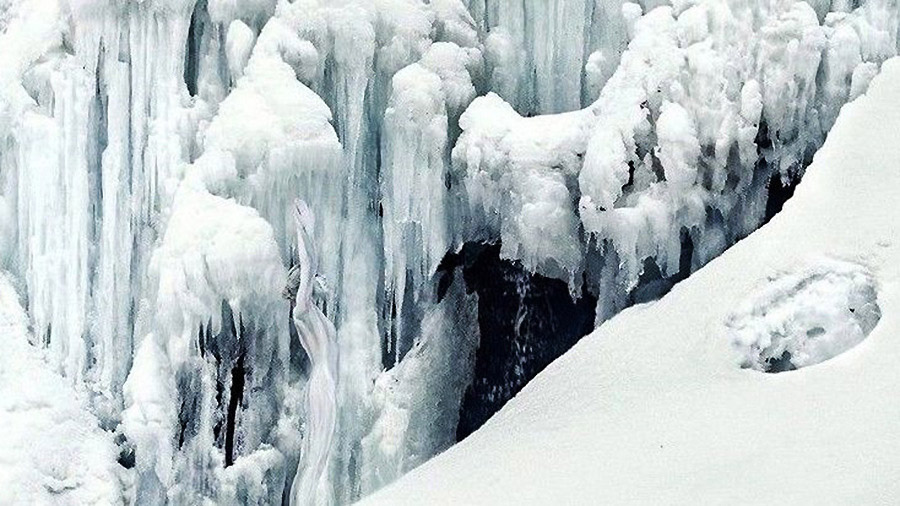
(654, 408)
(51, 449)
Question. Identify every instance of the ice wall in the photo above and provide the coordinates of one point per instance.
(427, 97)
(552, 56)
(93, 116)
(150, 152)
(709, 103)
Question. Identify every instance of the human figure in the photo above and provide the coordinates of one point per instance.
(317, 336)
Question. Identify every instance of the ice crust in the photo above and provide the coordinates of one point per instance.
(804, 318)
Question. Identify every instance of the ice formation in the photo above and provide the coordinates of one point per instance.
(150, 153)
(652, 408)
(805, 318)
(316, 333)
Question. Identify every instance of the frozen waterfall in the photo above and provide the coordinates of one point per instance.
(463, 161)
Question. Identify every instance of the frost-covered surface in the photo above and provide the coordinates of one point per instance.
(217, 316)
(150, 152)
(804, 318)
(654, 406)
(54, 451)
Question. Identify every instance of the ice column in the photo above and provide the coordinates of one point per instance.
(427, 97)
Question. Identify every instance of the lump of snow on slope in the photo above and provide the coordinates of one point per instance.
(807, 317)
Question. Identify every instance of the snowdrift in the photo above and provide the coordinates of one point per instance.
(661, 404)
(54, 452)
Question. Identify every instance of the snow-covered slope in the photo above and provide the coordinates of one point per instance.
(655, 408)
(53, 450)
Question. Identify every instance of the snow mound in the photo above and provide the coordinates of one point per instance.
(51, 449)
(804, 318)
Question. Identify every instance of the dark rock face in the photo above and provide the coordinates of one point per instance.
(526, 322)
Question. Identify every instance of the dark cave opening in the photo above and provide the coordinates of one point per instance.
(526, 321)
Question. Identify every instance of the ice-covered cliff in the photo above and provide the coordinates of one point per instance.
(660, 405)
(489, 179)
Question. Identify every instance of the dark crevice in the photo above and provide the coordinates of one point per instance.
(192, 54)
(779, 193)
(526, 321)
(234, 400)
(780, 188)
